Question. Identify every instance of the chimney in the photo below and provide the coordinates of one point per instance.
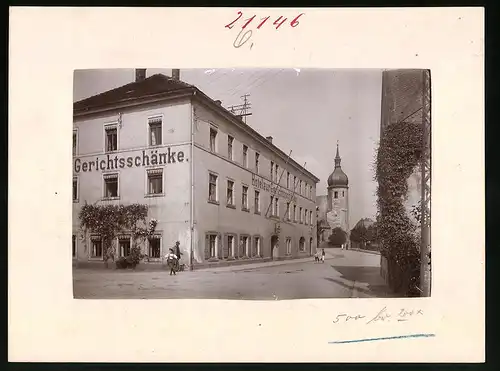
(270, 139)
(218, 102)
(140, 74)
(176, 74)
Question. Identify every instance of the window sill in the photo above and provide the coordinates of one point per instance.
(113, 151)
(155, 146)
(213, 260)
(257, 213)
(231, 207)
(213, 202)
(245, 209)
(150, 195)
(76, 201)
(96, 258)
(110, 198)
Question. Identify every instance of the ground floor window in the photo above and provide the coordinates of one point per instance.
(244, 246)
(211, 247)
(230, 246)
(288, 246)
(96, 251)
(74, 247)
(257, 246)
(124, 246)
(302, 244)
(154, 247)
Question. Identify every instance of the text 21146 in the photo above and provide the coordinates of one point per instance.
(278, 22)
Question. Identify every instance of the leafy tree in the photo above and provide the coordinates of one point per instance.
(108, 221)
(338, 237)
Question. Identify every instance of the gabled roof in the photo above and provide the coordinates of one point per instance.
(153, 85)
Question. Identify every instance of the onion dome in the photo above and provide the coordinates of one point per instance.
(338, 178)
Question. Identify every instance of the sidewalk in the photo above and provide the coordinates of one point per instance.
(244, 267)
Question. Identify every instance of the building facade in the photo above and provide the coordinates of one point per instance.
(212, 182)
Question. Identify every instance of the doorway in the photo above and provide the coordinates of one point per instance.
(274, 247)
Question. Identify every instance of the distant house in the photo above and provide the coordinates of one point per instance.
(366, 223)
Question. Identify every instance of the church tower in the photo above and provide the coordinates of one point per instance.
(338, 197)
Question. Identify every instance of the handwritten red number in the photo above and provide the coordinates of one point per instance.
(249, 20)
(279, 24)
(230, 25)
(261, 23)
(295, 22)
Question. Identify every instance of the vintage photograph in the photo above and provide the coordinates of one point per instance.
(251, 184)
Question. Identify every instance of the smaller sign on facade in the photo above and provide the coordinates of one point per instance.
(261, 183)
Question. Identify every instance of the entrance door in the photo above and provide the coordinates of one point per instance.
(274, 247)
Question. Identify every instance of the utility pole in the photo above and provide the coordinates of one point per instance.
(242, 110)
(425, 216)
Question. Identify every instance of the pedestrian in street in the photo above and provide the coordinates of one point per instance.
(171, 261)
(323, 256)
(177, 250)
(316, 257)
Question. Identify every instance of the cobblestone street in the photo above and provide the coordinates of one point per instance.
(344, 274)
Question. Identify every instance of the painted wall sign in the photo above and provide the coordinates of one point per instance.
(267, 186)
(115, 162)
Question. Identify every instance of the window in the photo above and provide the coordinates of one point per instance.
(335, 194)
(75, 189)
(294, 183)
(294, 213)
(244, 198)
(276, 178)
(289, 246)
(75, 142)
(213, 141)
(257, 157)
(300, 215)
(154, 247)
(96, 247)
(302, 244)
(342, 193)
(110, 185)
(155, 181)
(311, 217)
(124, 245)
(300, 188)
(244, 246)
(155, 131)
(288, 210)
(305, 216)
(288, 179)
(245, 156)
(230, 246)
(257, 202)
(230, 140)
(212, 188)
(230, 193)
(212, 245)
(276, 206)
(272, 170)
(111, 138)
(73, 247)
(257, 246)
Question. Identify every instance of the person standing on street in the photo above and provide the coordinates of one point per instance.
(323, 256)
(171, 261)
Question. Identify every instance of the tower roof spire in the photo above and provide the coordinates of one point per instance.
(337, 156)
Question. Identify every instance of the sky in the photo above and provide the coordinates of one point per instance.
(306, 111)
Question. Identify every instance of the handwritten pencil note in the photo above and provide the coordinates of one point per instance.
(257, 23)
(383, 315)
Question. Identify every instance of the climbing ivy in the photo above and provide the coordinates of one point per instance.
(108, 221)
(399, 153)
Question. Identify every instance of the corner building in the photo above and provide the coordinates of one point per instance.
(212, 182)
